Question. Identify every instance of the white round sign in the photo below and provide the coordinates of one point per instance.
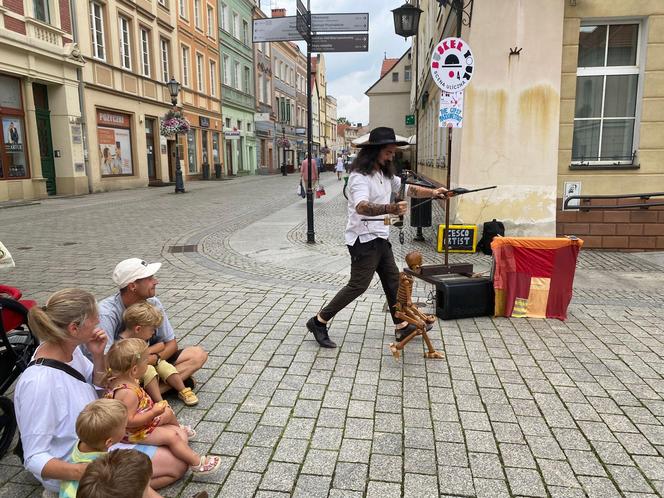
(452, 64)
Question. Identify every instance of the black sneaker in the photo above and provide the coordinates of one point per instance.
(401, 334)
(320, 333)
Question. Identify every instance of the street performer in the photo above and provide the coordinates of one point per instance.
(370, 186)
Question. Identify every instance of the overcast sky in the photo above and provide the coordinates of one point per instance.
(351, 74)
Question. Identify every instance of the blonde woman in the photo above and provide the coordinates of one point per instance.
(52, 392)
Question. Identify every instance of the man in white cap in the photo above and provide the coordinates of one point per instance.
(137, 282)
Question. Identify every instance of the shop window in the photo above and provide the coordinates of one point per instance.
(605, 115)
(114, 138)
(191, 150)
(13, 157)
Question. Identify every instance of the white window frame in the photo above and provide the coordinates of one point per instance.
(246, 80)
(98, 36)
(211, 24)
(236, 25)
(162, 3)
(226, 70)
(637, 69)
(198, 20)
(224, 17)
(186, 63)
(237, 75)
(213, 78)
(245, 32)
(47, 7)
(145, 52)
(260, 87)
(124, 26)
(200, 72)
(183, 9)
(165, 51)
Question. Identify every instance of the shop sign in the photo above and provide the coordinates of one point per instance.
(410, 119)
(451, 110)
(232, 135)
(261, 116)
(300, 131)
(204, 122)
(452, 64)
(113, 119)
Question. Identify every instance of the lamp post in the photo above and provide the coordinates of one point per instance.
(174, 90)
(406, 23)
(283, 142)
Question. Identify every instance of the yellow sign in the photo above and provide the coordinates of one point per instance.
(462, 238)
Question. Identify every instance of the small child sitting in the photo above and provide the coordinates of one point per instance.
(148, 423)
(120, 473)
(141, 320)
(99, 426)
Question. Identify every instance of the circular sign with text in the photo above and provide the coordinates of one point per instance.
(452, 64)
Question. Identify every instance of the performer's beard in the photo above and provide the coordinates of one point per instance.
(387, 169)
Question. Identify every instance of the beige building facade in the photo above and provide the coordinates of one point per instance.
(561, 92)
(41, 151)
(130, 51)
(389, 97)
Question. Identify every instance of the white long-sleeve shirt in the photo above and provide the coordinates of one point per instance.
(374, 188)
(47, 402)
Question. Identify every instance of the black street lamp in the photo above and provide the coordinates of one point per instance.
(174, 90)
(406, 23)
(283, 142)
(406, 20)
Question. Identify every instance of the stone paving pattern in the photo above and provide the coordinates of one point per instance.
(519, 407)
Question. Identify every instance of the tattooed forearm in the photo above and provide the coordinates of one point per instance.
(416, 191)
(372, 209)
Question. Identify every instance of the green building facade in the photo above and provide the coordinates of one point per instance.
(237, 91)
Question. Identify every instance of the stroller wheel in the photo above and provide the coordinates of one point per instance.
(7, 424)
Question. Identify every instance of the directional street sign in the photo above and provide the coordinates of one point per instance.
(339, 22)
(340, 43)
(276, 29)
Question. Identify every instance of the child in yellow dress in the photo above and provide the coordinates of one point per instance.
(148, 422)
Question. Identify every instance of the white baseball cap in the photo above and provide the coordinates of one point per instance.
(133, 269)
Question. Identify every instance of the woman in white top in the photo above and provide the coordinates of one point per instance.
(339, 168)
(48, 400)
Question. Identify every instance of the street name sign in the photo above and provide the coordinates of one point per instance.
(340, 22)
(452, 64)
(276, 29)
(340, 43)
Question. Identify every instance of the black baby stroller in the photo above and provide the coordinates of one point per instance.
(17, 345)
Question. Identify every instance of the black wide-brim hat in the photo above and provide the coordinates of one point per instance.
(382, 136)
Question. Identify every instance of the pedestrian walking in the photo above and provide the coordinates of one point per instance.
(304, 173)
(339, 168)
(370, 186)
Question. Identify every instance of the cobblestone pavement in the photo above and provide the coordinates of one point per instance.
(518, 407)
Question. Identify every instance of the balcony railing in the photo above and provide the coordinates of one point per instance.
(44, 32)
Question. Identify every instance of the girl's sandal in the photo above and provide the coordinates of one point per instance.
(188, 430)
(208, 465)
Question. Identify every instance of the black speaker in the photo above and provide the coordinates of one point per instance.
(464, 297)
(420, 212)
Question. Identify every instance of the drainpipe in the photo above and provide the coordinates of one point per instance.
(81, 99)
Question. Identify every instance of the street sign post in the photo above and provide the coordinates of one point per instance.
(276, 29)
(340, 43)
(339, 22)
(300, 27)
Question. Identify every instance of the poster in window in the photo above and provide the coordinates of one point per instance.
(114, 151)
(13, 136)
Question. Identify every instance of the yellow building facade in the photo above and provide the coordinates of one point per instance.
(566, 96)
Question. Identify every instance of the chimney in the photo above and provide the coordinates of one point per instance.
(278, 12)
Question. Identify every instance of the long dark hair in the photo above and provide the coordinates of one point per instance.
(367, 159)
